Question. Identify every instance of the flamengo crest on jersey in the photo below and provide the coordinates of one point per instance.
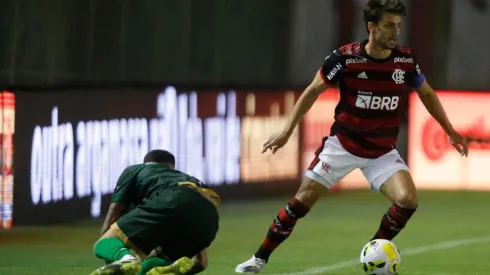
(398, 76)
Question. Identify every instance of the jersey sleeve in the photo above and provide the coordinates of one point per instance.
(207, 192)
(125, 186)
(199, 183)
(416, 77)
(332, 68)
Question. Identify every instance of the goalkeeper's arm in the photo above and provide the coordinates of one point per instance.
(116, 210)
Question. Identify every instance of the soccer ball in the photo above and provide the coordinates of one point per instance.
(380, 257)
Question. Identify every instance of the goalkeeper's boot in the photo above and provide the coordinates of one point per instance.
(128, 267)
(179, 267)
(253, 265)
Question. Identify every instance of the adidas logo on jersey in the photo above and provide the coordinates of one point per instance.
(362, 75)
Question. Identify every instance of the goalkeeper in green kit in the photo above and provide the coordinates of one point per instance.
(173, 221)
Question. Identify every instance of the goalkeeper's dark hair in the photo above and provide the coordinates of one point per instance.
(160, 156)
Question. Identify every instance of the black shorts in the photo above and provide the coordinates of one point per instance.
(179, 220)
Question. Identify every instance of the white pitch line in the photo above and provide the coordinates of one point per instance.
(409, 251)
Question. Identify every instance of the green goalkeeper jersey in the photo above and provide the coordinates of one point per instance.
(141, 181)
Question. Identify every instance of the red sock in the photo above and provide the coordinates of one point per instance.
(282, 226)
(393, 221)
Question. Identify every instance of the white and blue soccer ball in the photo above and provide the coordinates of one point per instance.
(380, 257)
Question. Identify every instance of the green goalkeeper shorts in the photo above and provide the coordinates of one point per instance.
(179, 220)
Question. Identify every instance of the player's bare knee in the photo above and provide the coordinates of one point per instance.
(310, 192)
(406, 199)
(400, 189)
(110, 233)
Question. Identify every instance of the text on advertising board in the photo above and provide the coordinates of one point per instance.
(67, 158)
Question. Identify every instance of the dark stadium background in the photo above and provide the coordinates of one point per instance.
(110, 59)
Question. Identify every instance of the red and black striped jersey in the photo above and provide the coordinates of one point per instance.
(367, 117)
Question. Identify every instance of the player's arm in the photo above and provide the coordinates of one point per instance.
(327, 76)
(200, 262)
(121, 199)
(434, 106)
(116, 210)
(428, 97)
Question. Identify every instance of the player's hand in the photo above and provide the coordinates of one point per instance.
(459, 142)
(276, 141)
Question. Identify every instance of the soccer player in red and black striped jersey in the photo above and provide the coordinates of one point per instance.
(371, 75)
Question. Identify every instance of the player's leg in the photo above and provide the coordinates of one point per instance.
(283, 224)
(115, 248)
(195, 220)
(160, 264)
(157, 266)
(331, 163)
(140, 230)
(391, 176)
(400, 189)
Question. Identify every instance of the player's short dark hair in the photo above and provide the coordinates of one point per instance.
(373, 10)
(159, 156)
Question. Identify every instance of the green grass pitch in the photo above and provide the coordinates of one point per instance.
(333, 232)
